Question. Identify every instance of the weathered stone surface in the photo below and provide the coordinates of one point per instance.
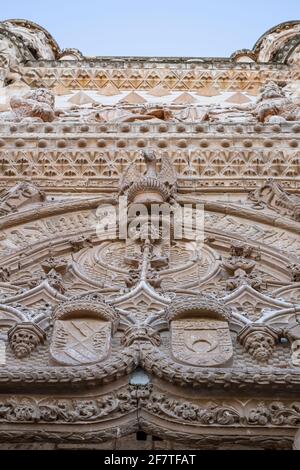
(119, 330)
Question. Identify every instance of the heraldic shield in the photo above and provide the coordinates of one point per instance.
(201, 342)
(80, 341)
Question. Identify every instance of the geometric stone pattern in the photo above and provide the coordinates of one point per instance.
(195, 343)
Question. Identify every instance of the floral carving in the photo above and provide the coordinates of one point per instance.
(276, 414)
(211, 414)
(63, 411)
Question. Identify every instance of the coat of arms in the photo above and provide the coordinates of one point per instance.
(201, 342)
(80, 341)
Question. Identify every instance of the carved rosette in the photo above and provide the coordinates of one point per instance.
(24, 338)
(259, 341)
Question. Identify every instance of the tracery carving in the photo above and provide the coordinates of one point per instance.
(119, 311)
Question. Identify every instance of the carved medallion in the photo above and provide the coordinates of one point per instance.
(201, 342)
(80, 341)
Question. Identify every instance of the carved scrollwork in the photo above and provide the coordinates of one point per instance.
(64, 411)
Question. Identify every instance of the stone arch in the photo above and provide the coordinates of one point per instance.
(34, 27)
(278, 43)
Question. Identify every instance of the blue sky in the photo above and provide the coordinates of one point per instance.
(155, 27)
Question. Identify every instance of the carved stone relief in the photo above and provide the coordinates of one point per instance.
(212, 331)
(201, 342)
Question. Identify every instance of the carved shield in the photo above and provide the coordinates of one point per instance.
(80, 341)
(201, 342)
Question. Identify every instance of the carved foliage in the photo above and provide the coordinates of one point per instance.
(29, 410)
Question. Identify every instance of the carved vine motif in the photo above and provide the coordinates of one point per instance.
(72, 411)
(276, 414)
(211, 414)
(64, 411)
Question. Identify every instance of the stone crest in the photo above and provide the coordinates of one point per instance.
(201, 342)
(80, 341)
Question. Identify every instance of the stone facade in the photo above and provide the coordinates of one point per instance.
(148, 341)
